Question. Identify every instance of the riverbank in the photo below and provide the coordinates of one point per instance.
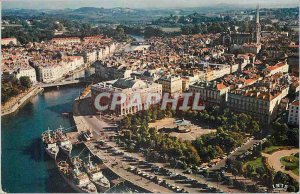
(22, 150)
(21, 100)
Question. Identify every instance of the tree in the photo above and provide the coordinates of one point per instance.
(249, 170)
(243, 186)
(279, 133)
(281, 178)
(260, 171)
(293, 136)
(291, 189)
(25, 82)
(254, 127)
(235, 173)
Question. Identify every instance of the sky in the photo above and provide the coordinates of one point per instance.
(73, 4)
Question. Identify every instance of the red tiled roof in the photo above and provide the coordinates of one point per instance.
(295, 103)
(221, 86)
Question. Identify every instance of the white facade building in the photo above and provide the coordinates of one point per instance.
(293, 118)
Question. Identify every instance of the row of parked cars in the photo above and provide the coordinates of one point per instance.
(156, 180)
(156, 170)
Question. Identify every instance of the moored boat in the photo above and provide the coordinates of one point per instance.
(95, 174)
(64, 144)
(77, 179)
(50, 144)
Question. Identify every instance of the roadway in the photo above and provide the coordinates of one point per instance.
(243, 149)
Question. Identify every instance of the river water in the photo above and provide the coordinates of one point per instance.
(25, 167)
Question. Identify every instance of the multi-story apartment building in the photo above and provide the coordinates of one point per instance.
(66, 40)
(107, 71)
(211, 93)
(279, 67)
(129, 87)
(261, 103)
(293, 117)
(49, 73)
(72, 62)
(26, 71)
(171, 84)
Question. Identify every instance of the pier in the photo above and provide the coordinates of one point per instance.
(119, 168)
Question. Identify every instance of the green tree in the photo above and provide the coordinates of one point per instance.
(25, 82)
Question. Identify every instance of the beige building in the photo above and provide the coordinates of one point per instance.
(51, 73)
(66, 40)
(106, 71)
(171, 84)
(279, 67)
(27, 71)
(70, 63)
(9, 41)
(129, 87)
(293, 118)
(262, 105)
(212, 93)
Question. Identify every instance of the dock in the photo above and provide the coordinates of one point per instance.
(120, 170)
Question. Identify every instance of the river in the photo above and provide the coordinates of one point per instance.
(25, 166)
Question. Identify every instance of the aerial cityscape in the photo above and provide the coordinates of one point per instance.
(149, 96)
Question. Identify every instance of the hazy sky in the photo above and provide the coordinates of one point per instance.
(61, 4)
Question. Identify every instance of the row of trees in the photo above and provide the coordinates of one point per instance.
(14, 87)
(218, 117)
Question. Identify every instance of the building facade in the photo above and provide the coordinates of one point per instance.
(29, 72)
(293, 118)
(171, 84)
(129, 87)
(263, 105)
(9, 41)
(211, 93)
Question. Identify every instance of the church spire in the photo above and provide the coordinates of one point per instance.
(257, 13)
(257, 26)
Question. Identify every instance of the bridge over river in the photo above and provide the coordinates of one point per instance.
(62, 83)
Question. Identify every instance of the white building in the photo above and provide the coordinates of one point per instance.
(171, 84)
(72, 62)
(28, 71)
(293, 118)
(212, 93)
(279, 67)
(49, 74)
(129, 87)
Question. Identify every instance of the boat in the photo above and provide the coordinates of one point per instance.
(66, 147)
(64, 144)
(65, 114)
(50, 144)
(95, 174)
(77, 179)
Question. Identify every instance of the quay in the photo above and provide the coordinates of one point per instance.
(119, 169)
(85, 119)
(109, 161)
(22, 101)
